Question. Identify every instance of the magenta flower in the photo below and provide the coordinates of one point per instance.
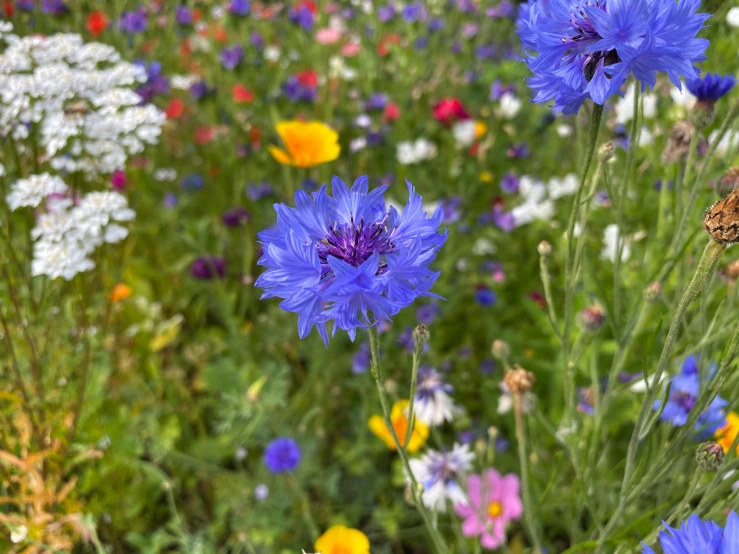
(493, 503)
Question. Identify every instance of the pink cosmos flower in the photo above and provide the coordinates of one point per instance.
(328, 35)
(493, 502)
(350, 49)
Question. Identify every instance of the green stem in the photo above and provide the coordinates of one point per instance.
(546, 280)
(704, 270)
(417, 350)
(374, 339)
(523, 460)
(569, 259)
(680, 507)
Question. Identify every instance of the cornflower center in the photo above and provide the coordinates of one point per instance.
(584, 34)
(355, 242)
(683, 399)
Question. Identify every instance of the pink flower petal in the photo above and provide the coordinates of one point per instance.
(471, 527)
(491, 542)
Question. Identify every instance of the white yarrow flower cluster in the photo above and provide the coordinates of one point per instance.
(66, 234)
(415, 152)
(31, 192)
(80, 96)
(539, 197)
(440, 474)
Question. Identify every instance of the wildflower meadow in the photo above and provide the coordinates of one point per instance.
(358, 276)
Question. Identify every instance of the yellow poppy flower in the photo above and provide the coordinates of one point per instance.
(307, 143)
(342, 540)
(480, 129)
(400, 424)
(725, 435)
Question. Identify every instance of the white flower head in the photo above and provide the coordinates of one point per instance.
(510, 105)
(440, 473)
(464, 132)
(432, 404)
(31, 192)
(610, 244)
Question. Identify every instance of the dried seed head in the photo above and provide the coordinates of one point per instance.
(709, 456)
(518, 380)
(731, 271)
(605, 152)
(722, 219)
(678, 143)
(653, 292)
(500, 350)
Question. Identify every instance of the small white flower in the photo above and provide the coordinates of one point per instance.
(359, 143)
(432, 404)
(272, 53)
(510, 105)
(565, 186)
(18, 534)
(30, 192)
(610, 245)
(732, 17)
(261, 492)
(464, 132)
(439, 473)
(363, 121)
(564, 131)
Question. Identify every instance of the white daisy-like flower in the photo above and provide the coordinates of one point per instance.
(610, 245)
(432, 403)
(464, 133)
(440, 474)
(412, 152)
(510, 105)
(31, 192)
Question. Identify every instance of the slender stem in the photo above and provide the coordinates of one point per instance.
(569, 259)
(417, 350)
(304, 506)
(546, 280)
(523, 460)
(680, 507)
(374, 339)
(704, 270)
(585, 214)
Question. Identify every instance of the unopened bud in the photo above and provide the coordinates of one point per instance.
(678, 142)
(703, 113)
(731, 271)
(480, 447)
(544, 249)
(592, 318)
(500, 350)
(605, 152)
(493, 432)
(518, 380)
(421, 335)
(653, 292)
(709, 456)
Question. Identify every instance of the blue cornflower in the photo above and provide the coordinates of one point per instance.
(684, 393)
(282, 455)
(696, 536)
(711, 87)
(302, 16)
(156, 83)
(386, 13)
(134, 22)
(231, 57)
(183, 15)
(579, 50)
(338, 259)
(239, 7)
(361, 360)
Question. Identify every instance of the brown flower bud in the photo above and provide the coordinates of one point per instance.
(722, 219)
(518, 380)
(678, 143)
(605, 152)
(421, 335)
(592, 318)
(703, 113)
(653, 292)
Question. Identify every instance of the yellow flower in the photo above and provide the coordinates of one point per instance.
(120, 292)
(480, 129)
(726, 435)
(342, 540)
(308, 143)
(400, 424)
(486, 177)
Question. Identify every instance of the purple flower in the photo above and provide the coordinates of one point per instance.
(485, 297)
(487, 366)
(25, 5)
(183, 15)
(361, 360)
(259, 191)
(684, 392)
(193, 182)
(170, 200)
(509, 183)
(414, 12)
(199, 89)
(282, 455)
(711, 87)
(206, 268)
(298, 92)
(239, 7)
(451, 207)
(231, 57)
(54, 7)
(503, 220)
(486, 52)
(519, 151)
(386, 13)
(134, 22)
(436, 24)
(235, 217)
(497, 90)
(155, 84)
(256, 40)
(427, 314)
(302, 16)
(376, 102)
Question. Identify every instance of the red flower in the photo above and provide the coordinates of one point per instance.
(175, 108)
(309, 4)
(450, 110)
(96, 23)
(241, 94)
(309, 79)
(204, 135)
(8, 8)
(538, 297)
(256, 137)
(382, 48)
(391, 113)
